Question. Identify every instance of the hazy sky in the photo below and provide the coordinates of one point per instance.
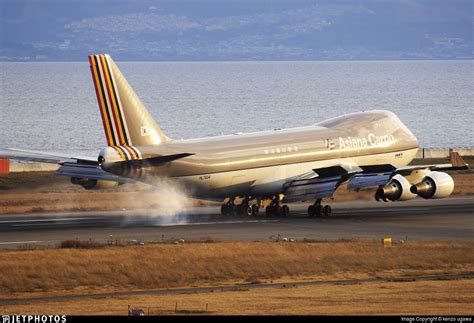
(236, 30)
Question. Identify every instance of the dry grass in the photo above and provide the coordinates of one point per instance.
(407, 298)
(168, 265)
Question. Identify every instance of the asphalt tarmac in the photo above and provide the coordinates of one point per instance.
(447, 219)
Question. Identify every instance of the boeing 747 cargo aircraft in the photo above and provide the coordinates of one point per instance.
(261, 169)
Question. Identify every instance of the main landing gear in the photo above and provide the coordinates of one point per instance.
(319, 210)
(275, 209)
(247, 208)
(244, 208)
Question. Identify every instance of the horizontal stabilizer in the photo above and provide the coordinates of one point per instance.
(122, 167)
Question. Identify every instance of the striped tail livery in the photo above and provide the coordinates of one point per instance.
(127, 123)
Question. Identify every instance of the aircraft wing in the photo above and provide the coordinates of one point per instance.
(87, 167)
(323, 182)
(457, 163)
(70, 166)
(44, 157)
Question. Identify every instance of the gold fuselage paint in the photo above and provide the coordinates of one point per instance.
(260, 163)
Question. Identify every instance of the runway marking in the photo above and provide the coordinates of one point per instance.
(18, 242)
(46, 220)
(221, 222)
(43, 224)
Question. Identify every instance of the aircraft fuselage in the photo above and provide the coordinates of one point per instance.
(260, 163)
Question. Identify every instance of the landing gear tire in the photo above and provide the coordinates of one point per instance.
(254, 210)
(311, 210)
(227, 210)
(248, 210)
(319, 210)
(284, 211)
(239, 210)
(277, 210)
(315, 210)
(327, 210)
(270, 211)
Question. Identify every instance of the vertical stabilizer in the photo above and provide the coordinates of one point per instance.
(127, 122)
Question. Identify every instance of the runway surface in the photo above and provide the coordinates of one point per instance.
(447, 219)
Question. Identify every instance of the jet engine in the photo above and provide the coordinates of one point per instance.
(398, 189)
(436, 185)
(90, 184)
(109, 155)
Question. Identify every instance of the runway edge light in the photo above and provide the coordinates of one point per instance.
(387, 242)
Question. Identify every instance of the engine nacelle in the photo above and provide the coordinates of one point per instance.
(398, 189)
(436, 185)
(109, 155)
(90, 184)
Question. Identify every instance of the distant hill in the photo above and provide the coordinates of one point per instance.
(236, 30)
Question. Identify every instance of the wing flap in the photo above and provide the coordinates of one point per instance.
(367, 180)
(311, 189)
(322, 183)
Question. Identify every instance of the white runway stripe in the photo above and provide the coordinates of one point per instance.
(220, 222)
(18, 242)
(46, 220)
